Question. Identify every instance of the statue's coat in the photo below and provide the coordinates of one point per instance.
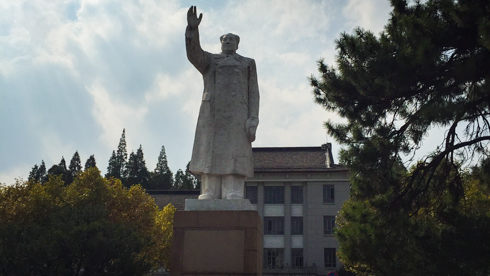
(230, 97)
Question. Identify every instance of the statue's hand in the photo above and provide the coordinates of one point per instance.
(251, 126)
(192, 19)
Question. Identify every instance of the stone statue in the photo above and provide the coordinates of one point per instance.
(228, 117)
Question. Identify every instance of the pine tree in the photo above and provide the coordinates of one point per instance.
(41, 173)
(75, 165)
(62, 164)
(60, 170)
(191, 181)
(90, 163)
(136, 170)
(185, 180)
(121, 156)
(162, 177)
(112, 170)
(33, 173)
(38, 173)
(179, 180)
(428, 68)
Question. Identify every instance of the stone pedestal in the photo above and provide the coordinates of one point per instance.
(217, 243)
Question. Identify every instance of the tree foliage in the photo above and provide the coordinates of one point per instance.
(427, 69)
(90, 163)
(75, 165)
(162, 177)
(94, 226)
(118, 160)
(136, 171)
(38, 173)
(185, 180)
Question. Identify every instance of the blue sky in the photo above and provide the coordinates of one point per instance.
(73, 74)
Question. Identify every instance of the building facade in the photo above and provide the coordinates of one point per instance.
(298, 192)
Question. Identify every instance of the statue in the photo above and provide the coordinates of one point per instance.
(228, 117)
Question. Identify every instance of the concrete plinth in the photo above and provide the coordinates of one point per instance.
(217, 204)
(217, 243)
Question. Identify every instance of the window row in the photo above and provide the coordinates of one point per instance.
(275, 194)
(275, 225)
(274, 257)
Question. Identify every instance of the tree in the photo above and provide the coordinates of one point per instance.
(118, 160)
(136, 171)
(75, 165)
(427, 69)
(186, 181)
(121, 155)
(112, 169)
(38, 173)
(162, 177)
(94, 226)
(90, 163)
(179, 180)
(60, 170)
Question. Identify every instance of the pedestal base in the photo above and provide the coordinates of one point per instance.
(217, 243)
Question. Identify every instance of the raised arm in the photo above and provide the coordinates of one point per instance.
(195, 54)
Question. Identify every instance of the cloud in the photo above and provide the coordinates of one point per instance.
(369, 14)
(111, 114)
(73, 73)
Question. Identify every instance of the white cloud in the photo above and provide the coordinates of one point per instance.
(113, 115)
(369, 14)
(90, 68)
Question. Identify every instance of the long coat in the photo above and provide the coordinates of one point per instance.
(230, 97)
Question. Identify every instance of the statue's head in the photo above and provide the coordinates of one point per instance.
(229, 43)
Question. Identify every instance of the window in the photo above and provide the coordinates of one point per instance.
(273, 257)
(296, 225)
(328, 194)
(297, 194)
(274, 194)
(328, 225)
(251, 194)
(273, 225)
(297, 257)
(329, 256)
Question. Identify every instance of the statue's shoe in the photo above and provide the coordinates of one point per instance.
(205, 196)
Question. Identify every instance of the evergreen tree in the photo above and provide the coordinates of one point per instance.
(90, 163)
(118, 160)
(121, 156)
(41, 173)
(75, 165)
(186, 181)
(179, 180)
(33, 174)
(112, 170)
(162, 177)
(60, 170)
(62, 164)
(428, 68)
(136, 170)
(191, 181)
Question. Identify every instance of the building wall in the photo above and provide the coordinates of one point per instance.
(313, 209)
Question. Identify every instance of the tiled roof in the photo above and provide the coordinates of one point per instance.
(293, 158)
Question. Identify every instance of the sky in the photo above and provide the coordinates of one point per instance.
(75, 73)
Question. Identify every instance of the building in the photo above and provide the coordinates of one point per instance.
(298, 192)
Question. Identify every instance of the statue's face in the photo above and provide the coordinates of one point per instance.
(229, 44)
